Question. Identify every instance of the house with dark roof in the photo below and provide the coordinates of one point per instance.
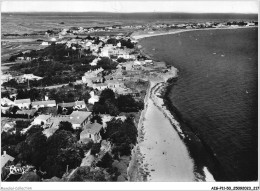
(91, 132)
(40, 104)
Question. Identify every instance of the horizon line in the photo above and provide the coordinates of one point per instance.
(125, 12)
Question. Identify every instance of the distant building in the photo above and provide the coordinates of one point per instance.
(126, 65)
(53, 39)
(114, 84)
(45, 44)
(25, 77)
(92, 75)
(250, 24)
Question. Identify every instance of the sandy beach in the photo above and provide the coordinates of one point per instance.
(166, 157)
(160, 155)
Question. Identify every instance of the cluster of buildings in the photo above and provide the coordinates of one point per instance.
(87, 30)
(132, 68)
(20, 78)
(79, 118)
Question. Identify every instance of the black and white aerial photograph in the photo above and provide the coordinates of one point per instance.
(149, 93)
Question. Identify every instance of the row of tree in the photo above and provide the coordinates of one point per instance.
(52, 155)
(109, 104)
(124, 43)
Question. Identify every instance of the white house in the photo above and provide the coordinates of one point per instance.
(5, 77)
(44, 43)
(80, 104)
(53, 39)
(30, 77)
(41, 119)
(113, 84)
(22, 103)
(79, 118)
(104, 52)
(100, 86)
(94, 98)
(6, 102)
(250, 24)
(94, 62)
(39, 104)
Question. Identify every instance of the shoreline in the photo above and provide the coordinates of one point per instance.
(177, 31)
(149, 156)
(157, 93)
(206, 163)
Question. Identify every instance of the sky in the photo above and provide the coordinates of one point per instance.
(195, 6)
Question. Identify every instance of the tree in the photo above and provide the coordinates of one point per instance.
(71, 156)
(33, 149)
(24, 151)
(21, 124)
(14, 109)
(112, 41)
(60, 139)
(96, 118)
(65, 125)
(34, 129)
(122, 135)
(99, 108)
(126, 103)
(107, 94)
(29, 177)
(8, 138)
(95, 148)
(10, 149)
(61, 151)
(86, 174)
(111, 107)
(52, 167)
(106, 161)
(106, 63)
(120, 60)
